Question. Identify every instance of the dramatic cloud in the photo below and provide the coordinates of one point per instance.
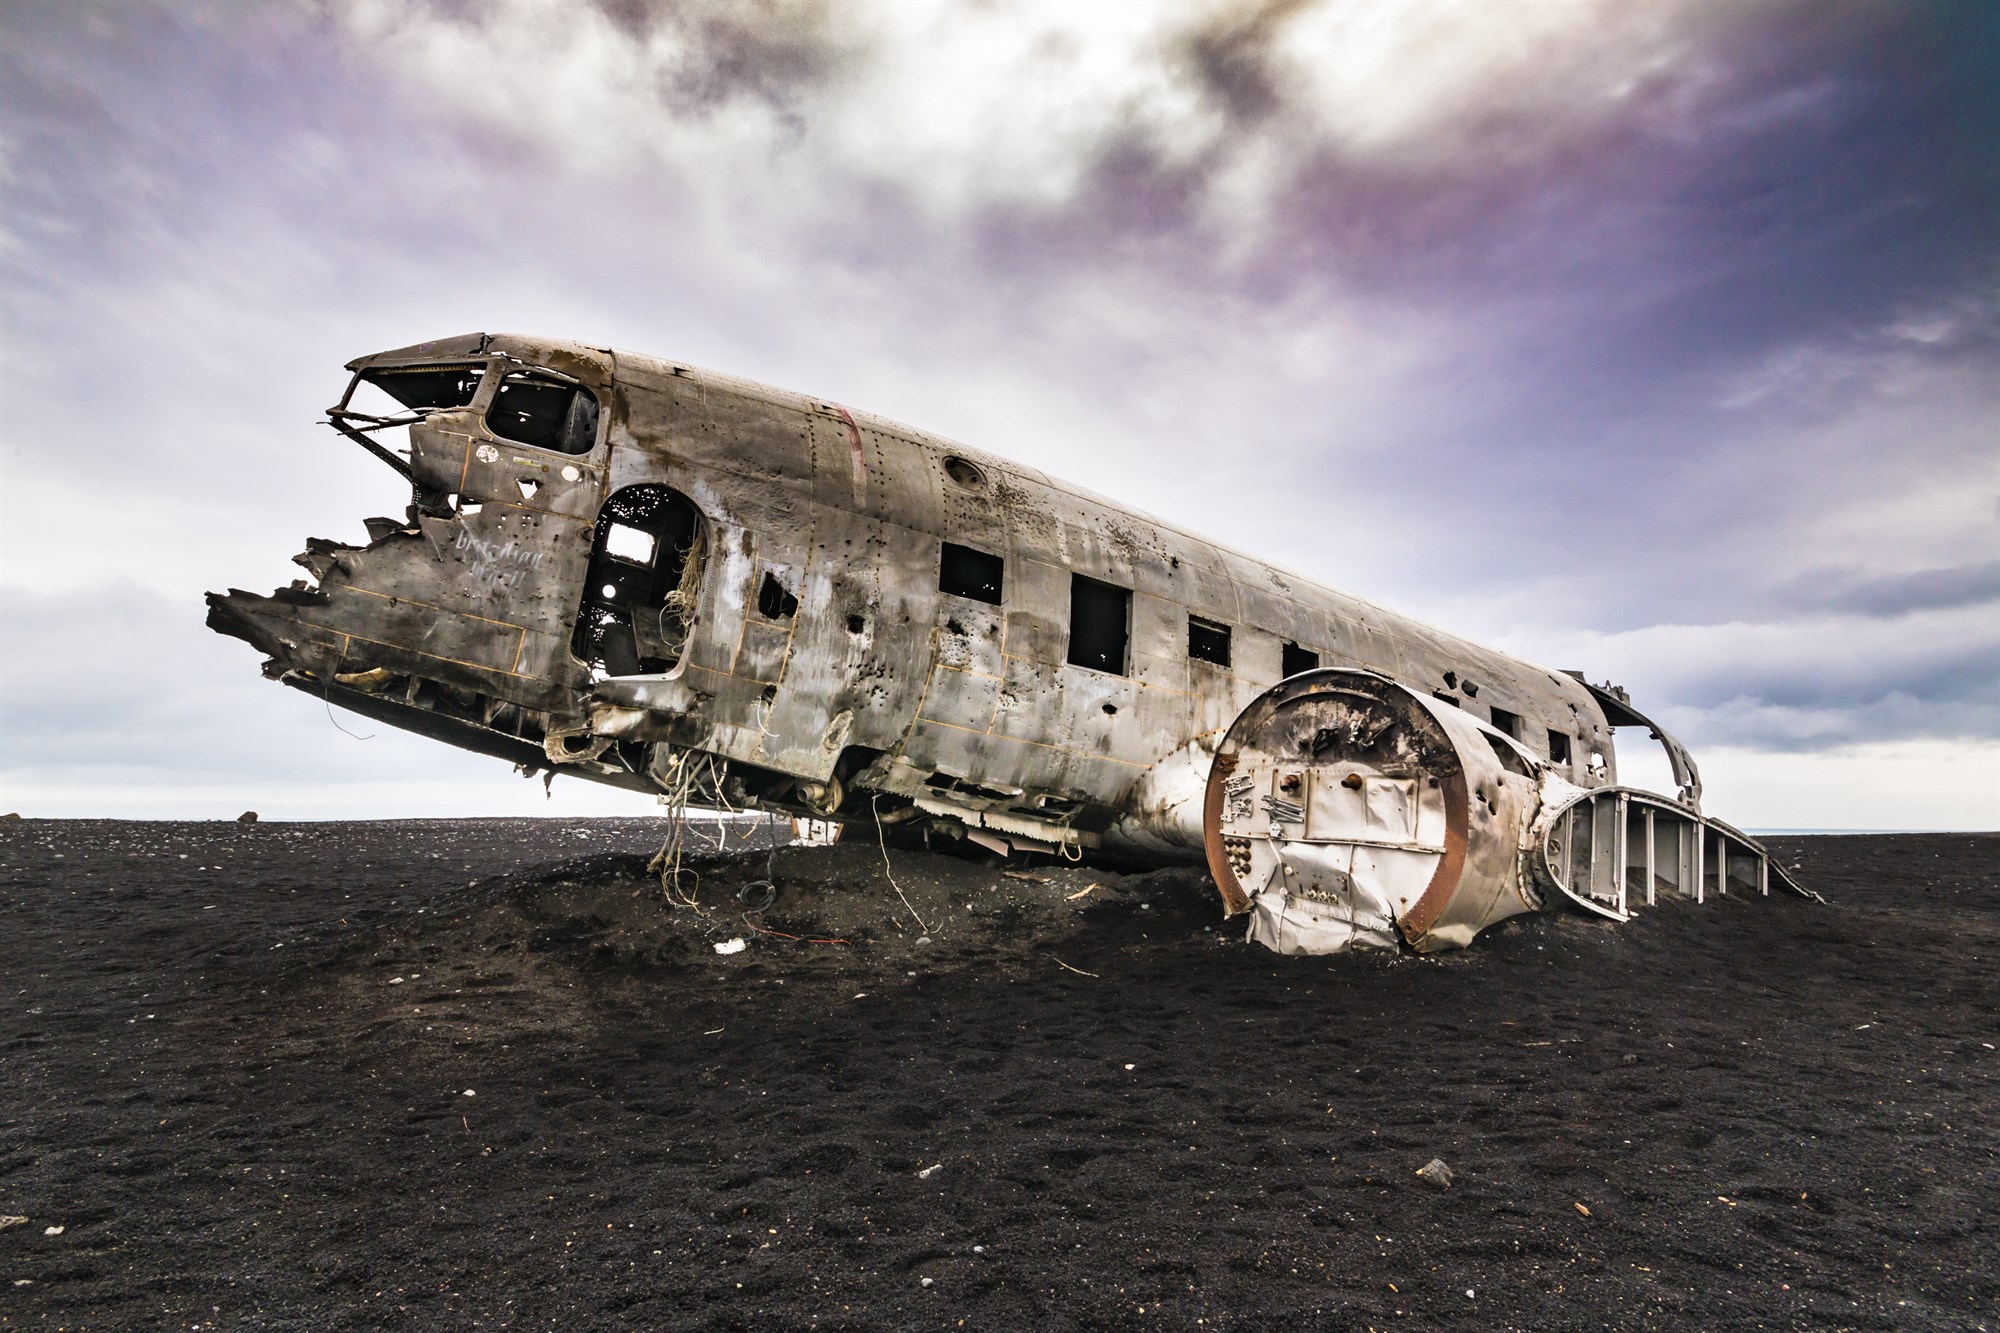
(1656, 340)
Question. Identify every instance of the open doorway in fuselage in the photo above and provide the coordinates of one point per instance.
(639, 591)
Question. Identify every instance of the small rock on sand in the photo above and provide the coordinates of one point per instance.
(1436, 1172)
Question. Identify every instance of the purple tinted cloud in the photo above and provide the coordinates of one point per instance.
(1667, 333)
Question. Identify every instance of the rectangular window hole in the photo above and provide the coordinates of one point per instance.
(1100, 624)
(632, 545)
(1208, 641)
(1558, 747)
(1451, 699)
(964, 572)
(1299, 659)
(774, 601)
(547, 411)
(1504, 721)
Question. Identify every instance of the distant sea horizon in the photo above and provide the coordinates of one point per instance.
(1856, 832)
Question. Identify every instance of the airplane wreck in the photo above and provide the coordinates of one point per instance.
(673, 581)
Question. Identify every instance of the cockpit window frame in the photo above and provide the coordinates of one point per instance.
(507, 370)
(480, 399)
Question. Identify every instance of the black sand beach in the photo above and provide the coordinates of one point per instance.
(473, 1074)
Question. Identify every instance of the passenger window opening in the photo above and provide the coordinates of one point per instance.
(964, 572)
(642, 583)
(538, 409)
(1297, 659)
(1451, 699)
(630, 544)
(774, 600)
(1558, 747)
(1208, 641)
(1506, 722)
(1100, 624)
(964, 473)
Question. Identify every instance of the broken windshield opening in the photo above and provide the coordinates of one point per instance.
(394, 397)
(397, 395)
(428, 386)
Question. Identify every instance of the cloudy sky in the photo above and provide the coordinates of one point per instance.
(1657, 340)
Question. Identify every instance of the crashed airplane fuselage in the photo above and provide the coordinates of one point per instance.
(665, 579)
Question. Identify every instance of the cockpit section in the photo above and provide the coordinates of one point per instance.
(510, 581)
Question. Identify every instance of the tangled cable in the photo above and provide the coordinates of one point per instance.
(686, 773)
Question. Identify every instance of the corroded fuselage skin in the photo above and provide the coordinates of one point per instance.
(877, 692)
(674, 581)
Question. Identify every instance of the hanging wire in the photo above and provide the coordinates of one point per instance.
(882, 842)
(686, 773)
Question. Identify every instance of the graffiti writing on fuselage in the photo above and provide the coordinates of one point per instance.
(499, 565)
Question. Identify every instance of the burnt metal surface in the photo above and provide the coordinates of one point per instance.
(610, 565)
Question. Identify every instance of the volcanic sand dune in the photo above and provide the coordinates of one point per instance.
(458, 1074)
